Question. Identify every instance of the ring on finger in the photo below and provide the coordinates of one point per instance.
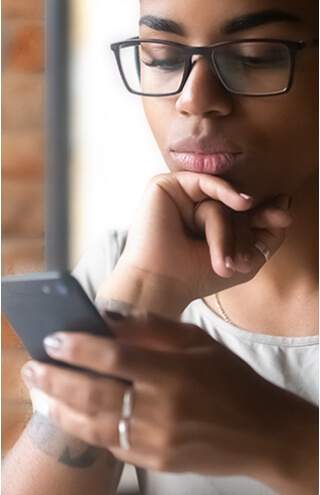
(123, 426)
(264, 250)
(127, 403)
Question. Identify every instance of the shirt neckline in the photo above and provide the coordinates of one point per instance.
(254, 337)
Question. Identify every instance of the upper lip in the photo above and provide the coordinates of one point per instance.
(205, 145)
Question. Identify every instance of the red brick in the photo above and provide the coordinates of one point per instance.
(22, 101)
(24, 47)
(24, 8)
(9, 340)
(22, 154)
(14, 419)
(13, 388)
(22, 209)
(22, 256)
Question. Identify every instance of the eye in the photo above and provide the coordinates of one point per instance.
(257, 62)
(161, 57)
(261, 57)
(262, 62)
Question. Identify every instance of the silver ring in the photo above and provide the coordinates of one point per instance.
(127, 404)
(123, 428)
(263, 250)
(126, 412)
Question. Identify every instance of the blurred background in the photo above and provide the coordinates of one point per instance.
(112, 154)
(22, 201)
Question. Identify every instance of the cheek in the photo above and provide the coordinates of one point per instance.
(287, 131)
(159, 116)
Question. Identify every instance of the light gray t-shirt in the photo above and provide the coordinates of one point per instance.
(289, 362)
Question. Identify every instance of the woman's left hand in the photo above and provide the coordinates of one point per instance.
(197, 406)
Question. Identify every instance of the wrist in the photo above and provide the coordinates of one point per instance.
(145, 290)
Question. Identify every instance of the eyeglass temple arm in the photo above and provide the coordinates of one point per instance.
(309, 43)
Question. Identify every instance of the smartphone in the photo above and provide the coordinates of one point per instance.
(39, 304)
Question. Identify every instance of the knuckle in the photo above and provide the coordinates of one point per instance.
(168, 440)
(163, 464)
(157, 180)
(160, 464)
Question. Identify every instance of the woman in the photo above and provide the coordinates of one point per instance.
(217, 241)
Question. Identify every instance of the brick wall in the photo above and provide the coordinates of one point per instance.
(22, 183)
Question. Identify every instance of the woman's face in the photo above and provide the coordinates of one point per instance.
(262, 145)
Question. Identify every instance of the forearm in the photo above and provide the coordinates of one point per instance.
(46, 460)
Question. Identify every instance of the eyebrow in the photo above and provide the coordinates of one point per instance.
(159, 24)
(238, 24)
(250, 21)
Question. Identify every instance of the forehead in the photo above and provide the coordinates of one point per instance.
(209, 17)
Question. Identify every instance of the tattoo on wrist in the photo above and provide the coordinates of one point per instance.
(63, 447)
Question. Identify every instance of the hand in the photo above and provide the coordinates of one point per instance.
(197, 406)
(199, 234)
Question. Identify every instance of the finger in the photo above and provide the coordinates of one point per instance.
(244, 244)
(266, 244)
(108, 357)
(198, 187)
(78, 424)
(271, 217)
(103, 431)
(202, 186)
(79, 390)
(274, 214)
(216, 221)
(154, 332)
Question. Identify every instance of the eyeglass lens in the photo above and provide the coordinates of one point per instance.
(245, 68)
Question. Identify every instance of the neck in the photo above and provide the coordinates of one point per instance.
(282, 299)
(296, 262)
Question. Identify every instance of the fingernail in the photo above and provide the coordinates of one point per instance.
(27, 372)
(246, 197)
(40, 402)
(52, 342)
(286, 202)
(283, 202)
(229, 263)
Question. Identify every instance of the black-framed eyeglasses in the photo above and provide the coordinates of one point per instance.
(252, 67)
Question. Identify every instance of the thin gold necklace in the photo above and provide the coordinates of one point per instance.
(221, 311)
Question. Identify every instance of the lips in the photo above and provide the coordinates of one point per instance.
(205, 155)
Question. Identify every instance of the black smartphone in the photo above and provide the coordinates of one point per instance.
(39, 304)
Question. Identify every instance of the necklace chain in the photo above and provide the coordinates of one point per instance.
(221, 311)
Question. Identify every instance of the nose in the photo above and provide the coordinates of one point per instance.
(203, 93)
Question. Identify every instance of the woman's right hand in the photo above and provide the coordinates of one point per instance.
(196, 234)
